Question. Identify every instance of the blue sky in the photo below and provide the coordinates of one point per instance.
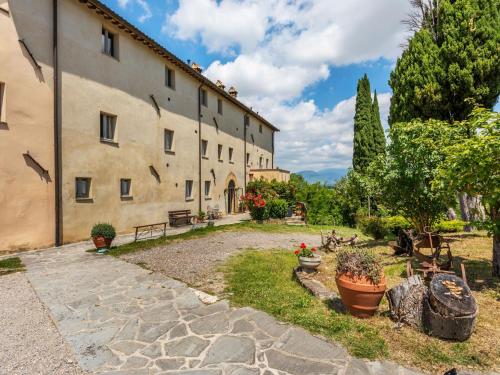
(296, 62)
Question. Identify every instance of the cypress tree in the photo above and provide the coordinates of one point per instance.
(363, 137)
(377, 128)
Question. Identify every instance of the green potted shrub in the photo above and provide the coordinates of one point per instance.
(360, 280)
(308, 259)
(201, 216)
(102, 234)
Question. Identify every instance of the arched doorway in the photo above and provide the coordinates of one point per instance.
(231, 197)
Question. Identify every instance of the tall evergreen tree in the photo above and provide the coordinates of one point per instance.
(377, 128)
(362, 143)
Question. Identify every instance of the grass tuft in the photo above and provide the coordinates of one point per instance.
(11, 265)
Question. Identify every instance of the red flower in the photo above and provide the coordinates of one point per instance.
(297, 252)
(303, 245)
(313, 249)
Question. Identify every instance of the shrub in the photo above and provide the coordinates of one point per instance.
(373, 226)
(393, 224)
(358, 263)
(103, 229)
(259, 209)
(449, 226)
(278, 208)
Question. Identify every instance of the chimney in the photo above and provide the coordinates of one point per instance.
(220, 84)
(232, 91)
(196, 67)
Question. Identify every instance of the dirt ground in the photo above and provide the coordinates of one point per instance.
(197, 261)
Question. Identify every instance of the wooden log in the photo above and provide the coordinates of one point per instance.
(406, 301)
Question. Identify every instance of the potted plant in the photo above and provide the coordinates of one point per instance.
(103, 234)
(201, 216)
(360, 280)
(308, 259)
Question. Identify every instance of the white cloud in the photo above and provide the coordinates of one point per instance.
(277, 48)
(143, 4)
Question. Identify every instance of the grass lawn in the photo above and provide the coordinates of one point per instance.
(241, 227)
(262, 279)
(11, 265)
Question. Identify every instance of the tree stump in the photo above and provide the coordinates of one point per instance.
(450, 311)
(406, 301)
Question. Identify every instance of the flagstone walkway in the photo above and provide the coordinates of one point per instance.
(122, 319)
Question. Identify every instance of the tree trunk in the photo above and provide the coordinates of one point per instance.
(496, 242)
(464, 210)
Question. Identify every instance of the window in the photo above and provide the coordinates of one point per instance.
(189, 189)
(108, 125)
(169, 140)
(230, 154)
(169, 78)
(246, 120)
(204, 147)
(108, 43)
(203, 97)
(219, 106)
(207, 189)
(219, 152)
(260, 128)
(82, 188)
(248, 158)
(3, 109)
(125, 187)
(260, 162)
(267, 163)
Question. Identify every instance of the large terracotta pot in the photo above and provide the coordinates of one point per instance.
(310, 263)
(101, 242)
(359, 295)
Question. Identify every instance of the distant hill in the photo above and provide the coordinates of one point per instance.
(328, 176)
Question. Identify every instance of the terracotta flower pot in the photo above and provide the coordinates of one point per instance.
(360, 296)
(101, 242)
(310, 263)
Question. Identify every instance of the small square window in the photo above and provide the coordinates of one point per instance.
(230, 154)
(219, 106)
(82, 187)
(189, 189)
(260, 128)
(125, 187)
(207, 189)
(169, 140)
(108, 126)
(109, 43)
(204, 148)
(169, 78)
(248, 158)
(219, 152)
(3, 104)
(203, 97)
(246, 120)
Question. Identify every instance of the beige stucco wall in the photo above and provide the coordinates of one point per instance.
(279, 175)
(92, 82)
(26, 193)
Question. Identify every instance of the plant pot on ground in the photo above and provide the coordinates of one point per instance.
(308, 259)
(360, 280)
(103, 234)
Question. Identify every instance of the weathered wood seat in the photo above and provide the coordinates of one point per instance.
(150, 230)
(178, 218)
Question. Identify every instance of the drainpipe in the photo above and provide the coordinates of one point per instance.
(272, 155)
(199, 147)
(57, 129)
(245, 153)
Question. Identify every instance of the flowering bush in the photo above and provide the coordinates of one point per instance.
(304, 251)
(256, 205)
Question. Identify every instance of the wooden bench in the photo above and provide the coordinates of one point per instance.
(180, 217)
(150, 230)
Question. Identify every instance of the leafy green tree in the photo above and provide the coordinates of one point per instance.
(451, 63)
(472, 164)
(363, 138)
(377, 128)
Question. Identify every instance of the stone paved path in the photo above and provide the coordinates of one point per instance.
(122, 319)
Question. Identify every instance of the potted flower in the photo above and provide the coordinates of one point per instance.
(201, 216)
(103, 234)
(360, 280)
(308, 259)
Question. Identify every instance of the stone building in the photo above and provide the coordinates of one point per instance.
(99, 123)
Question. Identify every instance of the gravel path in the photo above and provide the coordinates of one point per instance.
(196, 261)
(30, 343)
